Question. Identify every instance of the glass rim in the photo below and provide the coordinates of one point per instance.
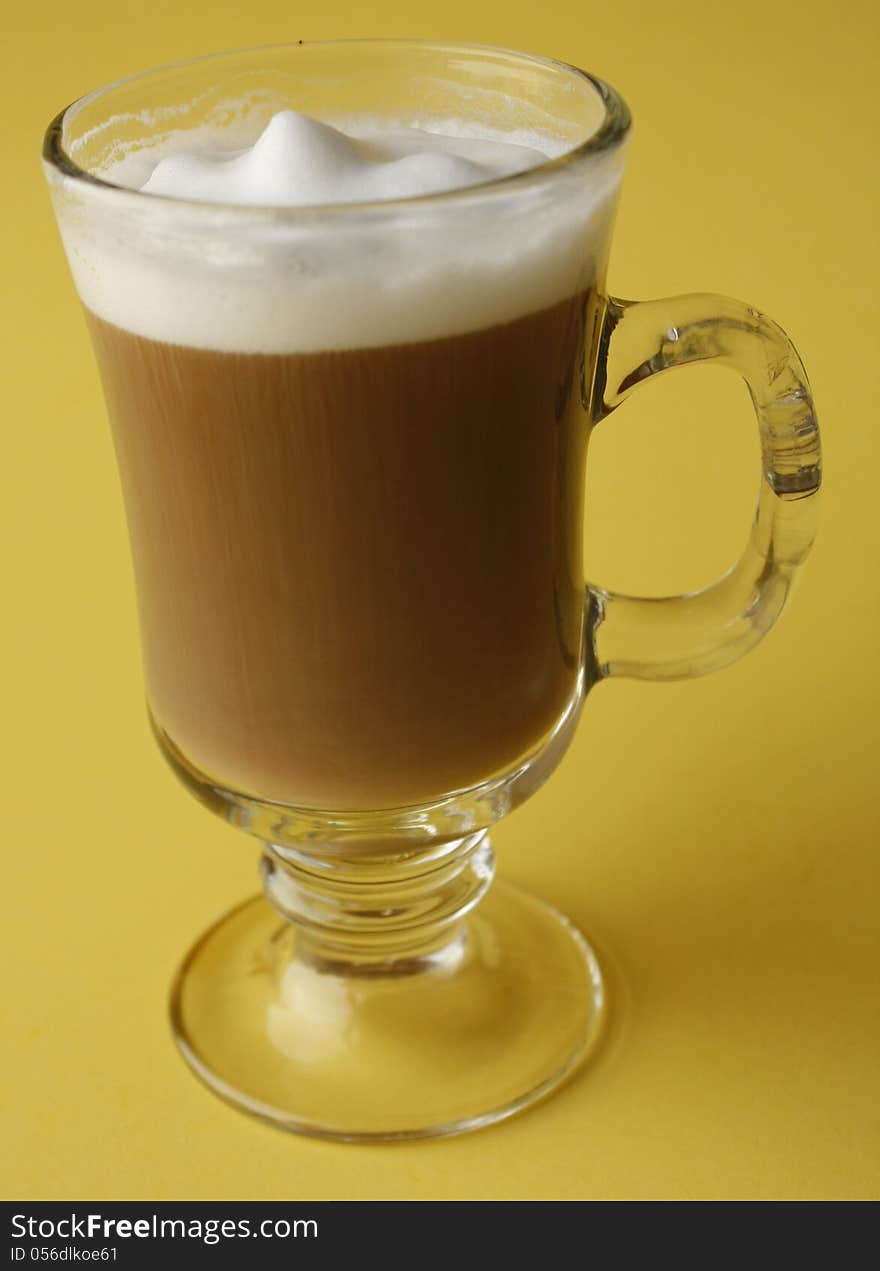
(608, 136)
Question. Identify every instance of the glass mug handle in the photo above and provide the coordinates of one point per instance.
(676, 637)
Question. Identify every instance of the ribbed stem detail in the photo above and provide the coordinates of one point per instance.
(375, 918)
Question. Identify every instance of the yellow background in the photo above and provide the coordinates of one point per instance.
(718, 839)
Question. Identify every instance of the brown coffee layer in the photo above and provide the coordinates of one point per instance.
(359, 572)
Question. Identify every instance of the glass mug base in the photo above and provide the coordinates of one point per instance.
(455, 1039)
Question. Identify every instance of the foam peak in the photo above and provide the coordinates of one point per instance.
(298, 161)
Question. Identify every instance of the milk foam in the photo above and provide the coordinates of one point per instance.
(187, 269)
(298, 161)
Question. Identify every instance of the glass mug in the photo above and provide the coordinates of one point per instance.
(352, 444)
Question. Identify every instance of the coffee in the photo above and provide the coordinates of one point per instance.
(357, 541)
(359, 572)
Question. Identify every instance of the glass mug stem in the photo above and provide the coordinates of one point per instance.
(395, 916)
(676, 637)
